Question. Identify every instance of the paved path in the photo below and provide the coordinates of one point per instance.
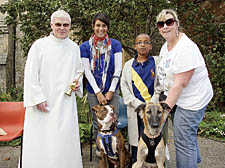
(212, 153)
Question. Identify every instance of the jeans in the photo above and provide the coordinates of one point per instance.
(92, 100)
(186, 124)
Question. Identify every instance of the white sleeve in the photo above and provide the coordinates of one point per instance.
(117, 72)
(128, 96)
(89, 75)
(33, 93)
(79, 70)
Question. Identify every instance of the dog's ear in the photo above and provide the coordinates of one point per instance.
(95, 108)
(141, 107)
(165, 106)
(113, 107)
(140, 110)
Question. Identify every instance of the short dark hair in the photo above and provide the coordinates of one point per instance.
(102, 17)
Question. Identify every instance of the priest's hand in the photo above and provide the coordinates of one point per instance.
(43, 106)
(109, 95)
(101, 98)
(76, 85)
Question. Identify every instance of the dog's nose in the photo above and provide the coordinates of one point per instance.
(155, 125)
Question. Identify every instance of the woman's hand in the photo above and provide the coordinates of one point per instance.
(101, 98)
(109, 95)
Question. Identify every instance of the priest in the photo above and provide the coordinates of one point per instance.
(51, 133)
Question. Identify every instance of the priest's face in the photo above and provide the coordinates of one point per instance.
(60, 27)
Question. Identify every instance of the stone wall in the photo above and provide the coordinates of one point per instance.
(20, 59)
(3, 48)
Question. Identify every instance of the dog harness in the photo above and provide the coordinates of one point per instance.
(107, 143)
(151, 144)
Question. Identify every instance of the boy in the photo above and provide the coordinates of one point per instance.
(137, 85)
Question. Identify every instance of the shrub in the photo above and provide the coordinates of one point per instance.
(213, 126)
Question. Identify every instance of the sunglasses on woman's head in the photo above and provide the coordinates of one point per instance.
(168, 22)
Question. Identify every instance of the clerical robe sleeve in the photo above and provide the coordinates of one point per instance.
(78, 71)
(33, 93)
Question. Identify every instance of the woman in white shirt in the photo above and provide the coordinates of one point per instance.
(183, 77)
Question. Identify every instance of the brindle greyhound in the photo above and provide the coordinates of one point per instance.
(151, 148)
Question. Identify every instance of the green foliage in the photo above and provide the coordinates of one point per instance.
(84, 118)
(83, 109)
(213, 126)
(85, 131)
(128, 18)
(208, 30)
(13, 143)
(13, 94)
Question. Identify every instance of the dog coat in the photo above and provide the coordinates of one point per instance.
(151, 149)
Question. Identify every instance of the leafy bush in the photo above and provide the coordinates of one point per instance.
(213, 126)
(14, 94)
(84, 119)
(85, 132)
(205, 26)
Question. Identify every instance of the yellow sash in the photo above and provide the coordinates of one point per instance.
(140, 85)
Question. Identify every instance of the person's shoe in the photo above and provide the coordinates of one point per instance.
(98, 153)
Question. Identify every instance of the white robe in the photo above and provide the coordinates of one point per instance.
(51, 139)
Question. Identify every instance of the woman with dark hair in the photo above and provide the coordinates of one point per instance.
(102, 61)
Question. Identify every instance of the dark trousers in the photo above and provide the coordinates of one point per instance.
(134, 149)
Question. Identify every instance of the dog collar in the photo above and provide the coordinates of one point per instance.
(106, 131)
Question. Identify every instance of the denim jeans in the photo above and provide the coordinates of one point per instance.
(186, 124)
